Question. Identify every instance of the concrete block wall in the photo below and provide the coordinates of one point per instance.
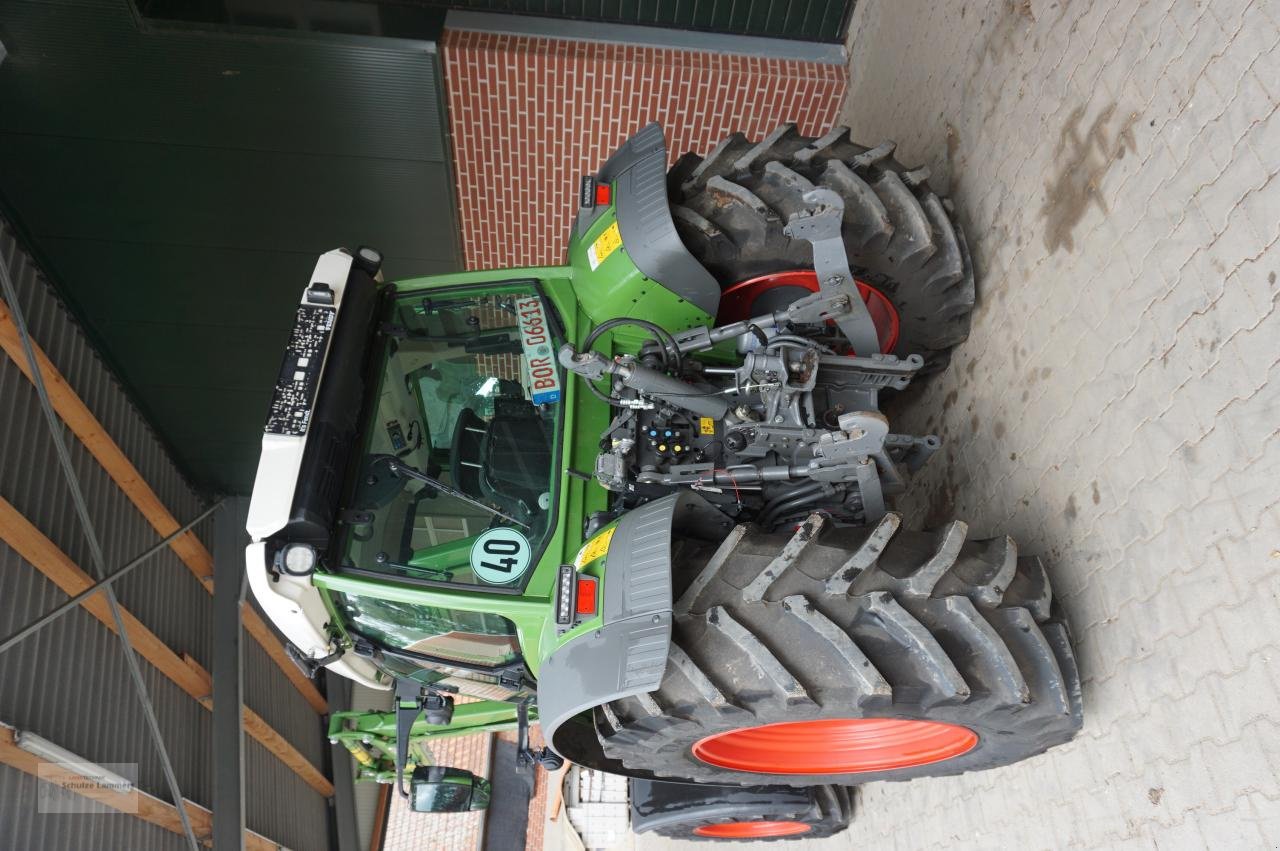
(1115, 165)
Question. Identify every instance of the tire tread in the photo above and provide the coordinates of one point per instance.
(929, 625)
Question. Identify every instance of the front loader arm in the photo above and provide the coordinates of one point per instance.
(371, 736)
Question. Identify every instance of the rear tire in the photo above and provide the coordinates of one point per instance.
(901, 237)
(863, 629)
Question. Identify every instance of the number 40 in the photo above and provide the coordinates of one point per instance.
(504, 553)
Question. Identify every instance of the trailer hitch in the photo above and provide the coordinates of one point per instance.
(837, 293)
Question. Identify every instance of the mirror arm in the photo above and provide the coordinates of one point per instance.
(525, 756)
(410, 703)
(408, 708)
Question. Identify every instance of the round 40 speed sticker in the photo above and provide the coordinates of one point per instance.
(500, 555)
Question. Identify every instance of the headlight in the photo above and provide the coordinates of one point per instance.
(298, 559)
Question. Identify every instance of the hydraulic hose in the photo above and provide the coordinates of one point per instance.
(781, 505)
(663, 336)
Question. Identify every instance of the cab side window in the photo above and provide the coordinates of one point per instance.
(473, 637)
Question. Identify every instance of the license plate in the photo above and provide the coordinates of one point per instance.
(539, 354)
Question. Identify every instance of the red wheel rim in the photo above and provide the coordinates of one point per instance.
(752, 829)
(736, 302)
(844, 746)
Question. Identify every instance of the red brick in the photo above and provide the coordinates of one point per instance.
(410, 831)
(528, 116)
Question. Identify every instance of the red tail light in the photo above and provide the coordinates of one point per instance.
(603, 194)
(586, 595)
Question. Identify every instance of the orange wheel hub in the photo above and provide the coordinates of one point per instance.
(752, 829)
(843, 746)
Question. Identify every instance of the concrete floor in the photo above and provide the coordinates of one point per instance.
(1114, 164)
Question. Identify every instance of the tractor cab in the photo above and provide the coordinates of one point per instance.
(426, 492)
(425, 500)
(453, 486)
(460, 449)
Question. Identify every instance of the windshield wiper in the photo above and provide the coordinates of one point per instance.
(490, 341)
(398, 468)
(383, 560)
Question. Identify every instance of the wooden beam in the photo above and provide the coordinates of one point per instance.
(148, 808)
(135, 802)
(556, 784)
(257, 627)
(43, 554)
(381, 810)
(85, 426)
(255, 726)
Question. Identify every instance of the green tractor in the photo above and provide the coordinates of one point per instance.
(645, 498)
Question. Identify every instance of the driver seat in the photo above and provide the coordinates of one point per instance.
(505, 460)
(466, 455)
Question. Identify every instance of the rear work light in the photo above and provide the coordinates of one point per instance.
(566, 588)
(575, 595)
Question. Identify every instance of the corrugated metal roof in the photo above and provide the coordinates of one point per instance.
(178, 184)
(367, 795)
(68, 682)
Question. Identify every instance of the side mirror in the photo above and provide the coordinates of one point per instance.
(440, 789)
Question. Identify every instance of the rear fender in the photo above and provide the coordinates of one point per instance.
(627, 655)
(627, 258)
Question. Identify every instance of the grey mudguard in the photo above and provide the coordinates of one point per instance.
(639, 169)
(628, 655)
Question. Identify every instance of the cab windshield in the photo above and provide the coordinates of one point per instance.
(455, 483)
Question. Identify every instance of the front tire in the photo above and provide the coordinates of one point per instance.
(739, 813)
(888, 654)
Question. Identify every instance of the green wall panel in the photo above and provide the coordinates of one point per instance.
(812, 20)
(177, 184)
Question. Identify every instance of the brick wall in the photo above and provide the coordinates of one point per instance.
(496, 366)
(528, 116)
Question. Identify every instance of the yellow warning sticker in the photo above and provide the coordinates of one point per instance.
(605, 244)
(706, 425)
(593, 549)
